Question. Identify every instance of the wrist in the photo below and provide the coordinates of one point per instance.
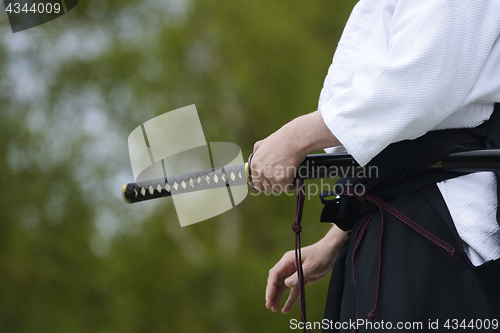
(334, 239)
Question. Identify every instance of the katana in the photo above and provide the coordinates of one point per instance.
(314, 166)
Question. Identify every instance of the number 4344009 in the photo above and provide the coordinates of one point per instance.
(35, 8)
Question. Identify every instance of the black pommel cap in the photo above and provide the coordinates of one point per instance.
(133, 192)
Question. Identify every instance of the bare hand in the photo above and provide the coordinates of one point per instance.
(275, 163)
(277, 158)
(317, 262)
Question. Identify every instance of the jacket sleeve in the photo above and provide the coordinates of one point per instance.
(429, 60)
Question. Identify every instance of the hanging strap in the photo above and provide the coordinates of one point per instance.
(297, 228)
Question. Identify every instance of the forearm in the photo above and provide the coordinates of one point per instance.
(308, 133)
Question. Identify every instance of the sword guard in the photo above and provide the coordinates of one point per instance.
(248, 171)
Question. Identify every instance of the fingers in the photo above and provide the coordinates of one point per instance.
(293, 283)
(261, 177)
(273, 165)
(292, 300)
(317, 262)
(261, 183)
(281, 277)
(274, 303)
(271, 179)
(274, 291)
(257, 145)
(292, 280)
(284, 275)
(275, 281)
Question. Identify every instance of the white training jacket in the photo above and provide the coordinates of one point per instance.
(405, 67)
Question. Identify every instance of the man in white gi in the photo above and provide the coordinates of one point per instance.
(402, 68)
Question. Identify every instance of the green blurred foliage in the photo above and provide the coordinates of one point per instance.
(73, 256)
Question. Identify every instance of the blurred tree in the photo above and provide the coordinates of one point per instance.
(73, 257)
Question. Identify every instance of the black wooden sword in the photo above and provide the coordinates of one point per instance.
(315, 165)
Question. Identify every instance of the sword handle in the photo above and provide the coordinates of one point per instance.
(230, 175)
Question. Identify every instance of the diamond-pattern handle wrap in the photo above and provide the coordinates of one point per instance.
(232, 175)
